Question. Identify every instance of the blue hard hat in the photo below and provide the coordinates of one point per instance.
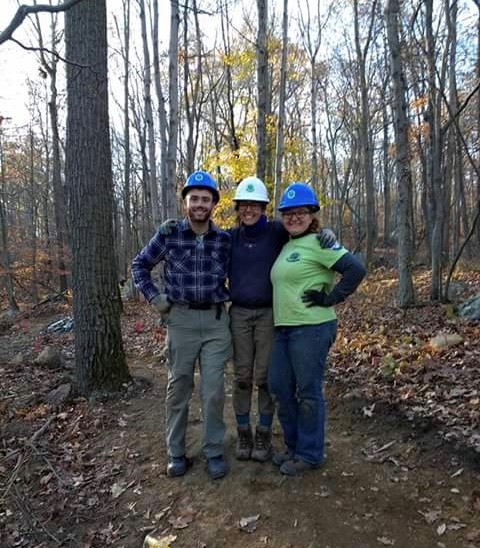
(297, 195)
(201, 179)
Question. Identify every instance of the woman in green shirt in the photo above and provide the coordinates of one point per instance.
(304, 294)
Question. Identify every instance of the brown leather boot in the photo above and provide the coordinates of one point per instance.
(244, 446)
(262, 446)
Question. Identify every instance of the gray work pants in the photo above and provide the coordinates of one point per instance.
(192, 335)
(252, 335)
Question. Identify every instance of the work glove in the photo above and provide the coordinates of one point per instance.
(161, 303)
(312, 297)
(327, 238)
(166, 228)
(162, 306)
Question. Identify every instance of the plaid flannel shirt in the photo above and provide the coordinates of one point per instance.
(195, 267)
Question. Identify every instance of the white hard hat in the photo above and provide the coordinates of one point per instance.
(253, 190)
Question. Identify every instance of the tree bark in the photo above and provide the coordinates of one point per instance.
(128, 235)
(162, 113)
(365, 133)
(169, 201)
(5, 259)
(434, 159)
(403, 170)
(262, 88)
(99, 357)
(147, 91)
(59, 201)
(281, 110)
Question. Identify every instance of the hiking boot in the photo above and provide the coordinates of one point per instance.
(243, 450)
(296, 467)
(177, 466)
(262, 446)
(279, 458)
(217, 467)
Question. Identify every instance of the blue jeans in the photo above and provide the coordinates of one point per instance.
(296, 383)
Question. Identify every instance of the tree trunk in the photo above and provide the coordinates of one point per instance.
(5, 260)
(169, 201)
(262, 88)
(229, 92)
(99, 357)
(162, 113)
(59, 201)
(33, 219)
(403, 171)
(281, 109)
(147, 90)
(365, 134)
(311, 34)
(128, 236)
(433, 159)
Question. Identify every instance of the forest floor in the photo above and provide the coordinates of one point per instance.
(403, 465)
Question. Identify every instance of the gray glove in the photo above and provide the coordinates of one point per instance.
(167, 227)
(161, 303)
(327, 238)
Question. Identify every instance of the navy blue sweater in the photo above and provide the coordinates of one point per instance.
(254, 250)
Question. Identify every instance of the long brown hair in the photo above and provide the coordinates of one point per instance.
(314, 225)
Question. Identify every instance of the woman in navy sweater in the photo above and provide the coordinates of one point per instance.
(256, 244)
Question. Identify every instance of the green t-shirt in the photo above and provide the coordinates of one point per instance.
(301, 265)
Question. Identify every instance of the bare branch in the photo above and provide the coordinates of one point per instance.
(46, 50)
(23, 11)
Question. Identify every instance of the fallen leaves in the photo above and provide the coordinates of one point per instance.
(417, 359)
(249, 524)
(183, 519)
(441, 529)
(151, 541)
(385, 541)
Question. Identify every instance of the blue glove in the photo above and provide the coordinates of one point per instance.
(166, 228)
(312, 297)
(327, 238)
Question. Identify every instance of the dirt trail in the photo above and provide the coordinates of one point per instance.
(96, 476)
(382, 486)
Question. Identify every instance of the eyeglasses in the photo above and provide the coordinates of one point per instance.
(300, 215)
(249, 205)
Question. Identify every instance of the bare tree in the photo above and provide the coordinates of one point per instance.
(162, 113)
(434, 174)
(49, 65)
(402, 164)
(5, 260)
(147, 91)
(262, 88)
(281, 109)
(365, 132)
(192, 86)
(169, 189)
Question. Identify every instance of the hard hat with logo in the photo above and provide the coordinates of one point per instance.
(297, 195)
(201, 179)
(251, 189)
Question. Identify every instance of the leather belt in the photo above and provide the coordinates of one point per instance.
(200, 306)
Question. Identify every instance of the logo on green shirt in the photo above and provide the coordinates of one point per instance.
(293, 257)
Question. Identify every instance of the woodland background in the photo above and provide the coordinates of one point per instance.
(375, 104)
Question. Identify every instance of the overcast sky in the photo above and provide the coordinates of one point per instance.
(16, 65)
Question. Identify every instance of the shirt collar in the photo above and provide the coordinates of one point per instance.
(185, 226)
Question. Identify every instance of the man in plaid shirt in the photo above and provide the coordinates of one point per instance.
(196, 255)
